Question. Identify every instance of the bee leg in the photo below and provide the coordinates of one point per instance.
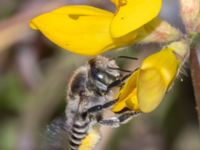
(116, 121)
(118, 82)
(126, 117)
(112, 121)
(100, 107)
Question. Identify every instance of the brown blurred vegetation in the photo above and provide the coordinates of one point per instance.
(34, 75)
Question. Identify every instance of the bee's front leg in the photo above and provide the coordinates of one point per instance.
(101, 107)
(118, 82)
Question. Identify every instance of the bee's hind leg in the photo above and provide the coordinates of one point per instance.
(116, 121)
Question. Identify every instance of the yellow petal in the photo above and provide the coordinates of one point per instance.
(80, 29)
(151, 89)
(132, 101)
(156, 75)
(127, 93)
(76, 11)
(133, 14)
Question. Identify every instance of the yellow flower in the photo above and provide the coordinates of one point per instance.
(88, 30)
(146, 87)
(80, 29)
(133, 14)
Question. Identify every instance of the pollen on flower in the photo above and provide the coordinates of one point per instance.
(119, 3)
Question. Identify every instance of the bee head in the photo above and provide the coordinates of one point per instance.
(102, 73)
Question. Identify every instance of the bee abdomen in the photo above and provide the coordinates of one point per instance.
(78, 133)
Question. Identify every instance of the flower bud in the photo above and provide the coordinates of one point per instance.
(189, 11)
(147, 86)
(158, 31)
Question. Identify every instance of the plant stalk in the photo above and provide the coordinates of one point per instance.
(195, 74)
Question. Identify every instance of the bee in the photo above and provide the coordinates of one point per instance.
(89, 93)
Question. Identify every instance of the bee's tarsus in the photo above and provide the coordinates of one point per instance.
(116, 121)
(113, 122)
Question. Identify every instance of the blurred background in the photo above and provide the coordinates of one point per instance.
(33, 80)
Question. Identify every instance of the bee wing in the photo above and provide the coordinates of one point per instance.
(56, 135)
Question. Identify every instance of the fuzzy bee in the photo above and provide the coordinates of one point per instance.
(89, 93)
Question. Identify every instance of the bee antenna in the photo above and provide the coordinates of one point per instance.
(127, 57)
(120, 69)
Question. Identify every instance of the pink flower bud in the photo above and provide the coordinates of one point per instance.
(158, 31)
(189, 11)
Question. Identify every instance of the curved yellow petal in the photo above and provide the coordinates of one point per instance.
(132, 101)
(127, 93)
(156, 75)
(75, 11)
(151, 89)
(83, 29)
(80, 29)
(132, 14)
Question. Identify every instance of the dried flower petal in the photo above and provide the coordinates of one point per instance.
(189, 10)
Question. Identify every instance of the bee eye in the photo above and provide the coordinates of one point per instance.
(97, 74)
(104, 78)
(100, 76)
